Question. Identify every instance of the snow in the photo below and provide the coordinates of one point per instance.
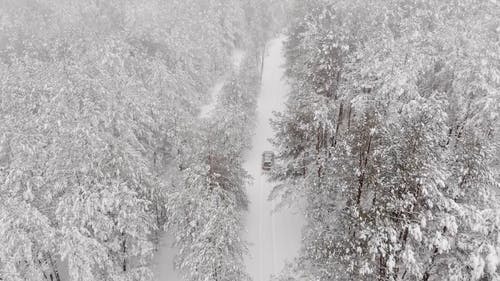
(274, 238)
(492, 260)
(214, 93)
(236, 58)
(163, 261)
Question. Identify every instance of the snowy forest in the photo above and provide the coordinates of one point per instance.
(133, 136)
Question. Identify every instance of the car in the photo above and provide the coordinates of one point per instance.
(267, 160)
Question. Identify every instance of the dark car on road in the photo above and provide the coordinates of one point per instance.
(267, 160)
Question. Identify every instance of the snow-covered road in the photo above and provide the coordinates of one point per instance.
(274, 237)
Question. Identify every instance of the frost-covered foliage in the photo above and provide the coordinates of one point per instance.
(98, 129)
(391, 133)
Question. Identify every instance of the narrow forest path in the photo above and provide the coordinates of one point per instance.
(237, 58)
(274, 237)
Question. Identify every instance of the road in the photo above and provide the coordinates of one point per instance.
(274, 237)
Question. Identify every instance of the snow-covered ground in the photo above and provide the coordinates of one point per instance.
(163, 262)
(274, 237)
(237, 58)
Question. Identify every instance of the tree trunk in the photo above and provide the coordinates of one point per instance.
(124, 251)
(339, 122)
(54, 268)
(349, 117)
